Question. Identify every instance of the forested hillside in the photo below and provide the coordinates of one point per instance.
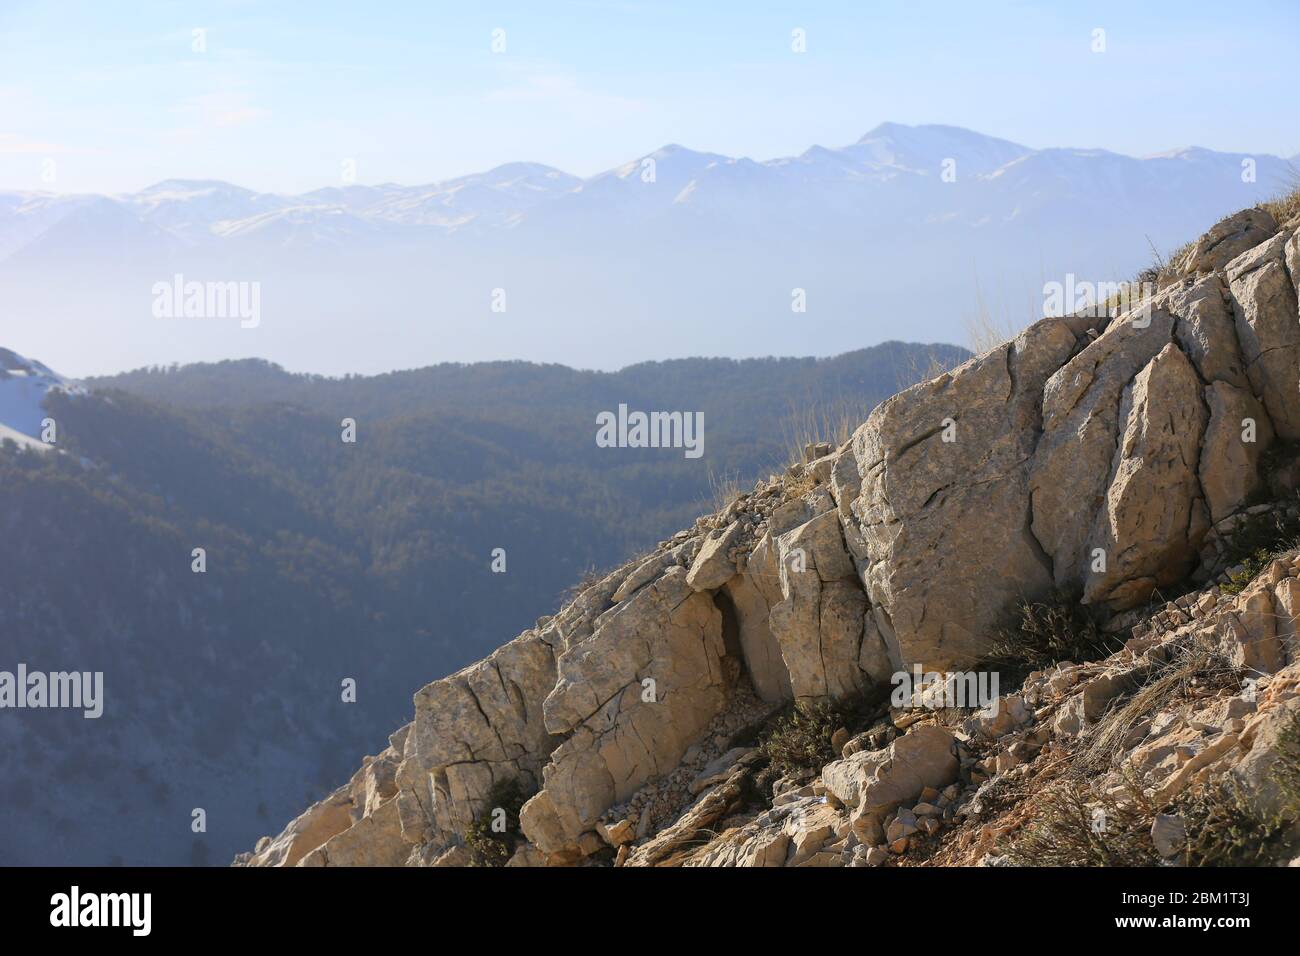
(328, 560)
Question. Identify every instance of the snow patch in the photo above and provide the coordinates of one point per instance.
(24, 386)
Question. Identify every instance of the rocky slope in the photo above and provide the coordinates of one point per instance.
(1118, 459)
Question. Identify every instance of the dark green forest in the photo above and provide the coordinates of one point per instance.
(326, 560)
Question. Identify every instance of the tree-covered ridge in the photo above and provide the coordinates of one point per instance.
(328, 560)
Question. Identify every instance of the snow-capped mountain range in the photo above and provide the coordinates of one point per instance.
(890, 157)
(674, 253)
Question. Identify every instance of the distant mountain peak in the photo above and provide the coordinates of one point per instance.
(191, 187)
(891, 129)
(524, 169)
(886, 129)
(924, 147)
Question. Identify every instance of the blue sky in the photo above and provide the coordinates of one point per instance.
(114, 95)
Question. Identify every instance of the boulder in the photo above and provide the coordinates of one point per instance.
(753, 593)
(845, 479)
(873, 782)
(1228, 239)
(374, 783)
(480, 725)
(1268, 328)
(1075, 459)
(1206, 329)
(1249, 634)
(312, 828)
(935, 514)
(1169, 834)
(1229, 470)
(628, 701)
(616, 834)
(375, 840)
(1286, 600)
(1255, 771)
(999, 718)
(1151, 526)
(820, 620)
(645, 572)
(713, 566)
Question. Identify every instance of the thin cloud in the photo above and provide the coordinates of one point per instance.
(224, 109)
(13, 144)
(562, 90)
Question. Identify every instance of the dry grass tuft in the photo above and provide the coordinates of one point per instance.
(1285, 206)
(985, 331)
(723, 490)
(811, 424)
(1195, 668)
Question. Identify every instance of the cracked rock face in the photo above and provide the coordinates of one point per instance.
(753, 594)
(1081, 419)
(1206, 330)
(876, 781)
(820, 621)
(1229, 468)
(472, 729)
(1091, 462)
(930, 499)
(1264, 301)
(628, 700)
(1154, 516)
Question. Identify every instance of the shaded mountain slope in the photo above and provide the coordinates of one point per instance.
(324, 561)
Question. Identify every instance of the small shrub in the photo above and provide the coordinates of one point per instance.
(797, 741)
(1073, 826)
(723, 490)
(1250, 566)
(1224, 829)
(800, 740)
(1279, 455)
(985, 330)
(1132, 294)
(1167, 266)
(835, 423)
(591, 576)
(1148, 276)
(491, 845)
(1257, 541)
(1039, 634)
(1286, 765)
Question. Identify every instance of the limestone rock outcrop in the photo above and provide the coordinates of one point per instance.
(627, 702)
(1227, 240)
(969, 792)
(1154, 515)
(1092, 454)
(1101, 455)
(1263, 289)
